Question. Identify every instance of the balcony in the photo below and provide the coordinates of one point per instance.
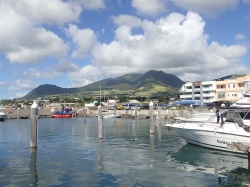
(185, 96)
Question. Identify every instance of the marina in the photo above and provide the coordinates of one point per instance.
(69, 153)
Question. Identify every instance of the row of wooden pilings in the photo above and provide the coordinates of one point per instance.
(34, 119)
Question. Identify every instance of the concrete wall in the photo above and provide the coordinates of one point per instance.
(13, 113)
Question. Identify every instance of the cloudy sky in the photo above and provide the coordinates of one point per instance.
(77, 42)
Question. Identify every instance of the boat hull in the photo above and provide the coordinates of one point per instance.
(62, 115)
(214, 137)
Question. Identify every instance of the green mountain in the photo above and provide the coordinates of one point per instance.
(233, 76)
(151, 83)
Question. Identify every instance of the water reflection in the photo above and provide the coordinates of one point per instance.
(134, 134)
(152, 137)
(100, 165)
(159, 131)
(33, 170)
(224, 165)
(71, 154)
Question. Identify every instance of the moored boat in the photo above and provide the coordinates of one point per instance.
(2, 114)
(65, 113)
(215, 135)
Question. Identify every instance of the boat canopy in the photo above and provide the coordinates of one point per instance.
(187, 103)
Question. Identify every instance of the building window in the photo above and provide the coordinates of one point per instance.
(221, 95)
(234, 86)
(228, 86)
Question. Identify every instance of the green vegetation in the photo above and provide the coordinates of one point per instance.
(152, 83)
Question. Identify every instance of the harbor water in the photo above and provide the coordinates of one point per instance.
(70, 153)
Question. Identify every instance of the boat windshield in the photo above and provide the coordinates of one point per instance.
(246, 91)
(234, 116)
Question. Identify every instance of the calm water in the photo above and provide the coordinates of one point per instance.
(70, 154)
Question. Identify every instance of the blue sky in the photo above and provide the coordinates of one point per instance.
(74, 43)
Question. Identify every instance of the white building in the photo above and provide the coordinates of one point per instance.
(220, 90)
(204, 92)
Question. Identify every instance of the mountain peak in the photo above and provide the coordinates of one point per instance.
(123, 85)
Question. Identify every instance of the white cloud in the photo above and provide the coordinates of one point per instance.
(18, 95)
(65, 66)
(22, 85)
(208, 7)
(175, 44)
(2, 83)
(239, 37)
(45, 11)
(84, 39)
(85, 75)
(246, 1)
(91, 4)
(33, 73)
(24, 43)
(149, 7)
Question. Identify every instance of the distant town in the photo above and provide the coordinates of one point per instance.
(206, 93)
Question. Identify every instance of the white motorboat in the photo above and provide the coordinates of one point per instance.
(2, 114)
(106, 115)
(215, 135)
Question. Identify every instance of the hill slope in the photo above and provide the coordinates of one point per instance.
(147, 84)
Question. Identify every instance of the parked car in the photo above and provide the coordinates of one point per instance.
(210, 105)
(111, 107)
(144, 106)
(120, 107)
(129, 105)
(133, 107)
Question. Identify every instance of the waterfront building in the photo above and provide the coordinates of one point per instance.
(227, 89)
(202, 92)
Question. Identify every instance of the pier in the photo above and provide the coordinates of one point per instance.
(92, 112)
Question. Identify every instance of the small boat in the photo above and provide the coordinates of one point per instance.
(110, 115)
(215, 135)
(65, 113)
(2, 114)
(118, 115)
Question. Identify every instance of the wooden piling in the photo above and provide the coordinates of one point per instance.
(151, 114)
(100, 165)
(151, 147)
(159, 114)
(33, 126)
(115, 113)
(100, 121)
(135, 113)
(33, 169)
(248, 157)
(85, 113)
(18, 114)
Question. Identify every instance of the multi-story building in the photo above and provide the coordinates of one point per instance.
(203, 92)
(227, 89)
